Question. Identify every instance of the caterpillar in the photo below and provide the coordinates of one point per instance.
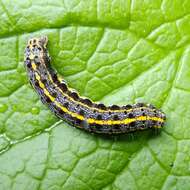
(82, 112)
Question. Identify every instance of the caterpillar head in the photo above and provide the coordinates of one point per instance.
(36, 51)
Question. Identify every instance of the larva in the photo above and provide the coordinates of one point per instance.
(82, 112)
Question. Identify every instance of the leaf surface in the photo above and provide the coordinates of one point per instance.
(115, 52)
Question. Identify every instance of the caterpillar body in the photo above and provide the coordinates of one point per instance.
(82, 112)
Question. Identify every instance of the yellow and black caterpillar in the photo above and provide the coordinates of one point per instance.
(82, 112)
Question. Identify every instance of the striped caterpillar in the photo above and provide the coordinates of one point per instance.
(82, 112)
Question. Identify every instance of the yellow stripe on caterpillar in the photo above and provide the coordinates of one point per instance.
(90, 120)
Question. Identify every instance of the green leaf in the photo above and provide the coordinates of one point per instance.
(110, 51)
